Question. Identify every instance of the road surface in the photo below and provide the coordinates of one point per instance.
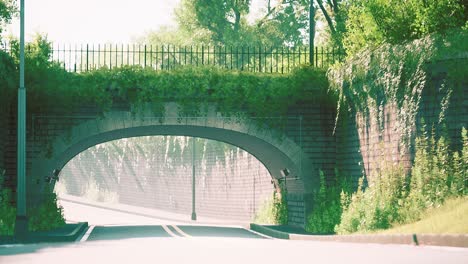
(163, 241)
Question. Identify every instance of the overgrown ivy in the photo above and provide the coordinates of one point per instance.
(52, 90)
(397, 75)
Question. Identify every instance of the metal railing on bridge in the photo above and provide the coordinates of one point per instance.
(87, 57)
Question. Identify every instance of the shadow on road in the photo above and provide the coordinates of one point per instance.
(129, 232)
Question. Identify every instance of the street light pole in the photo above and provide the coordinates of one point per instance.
(21, 227)
(311, 32)
(194, 214)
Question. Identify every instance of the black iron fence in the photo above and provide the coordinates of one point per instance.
(87, 57)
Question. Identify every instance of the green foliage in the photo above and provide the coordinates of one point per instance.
(8, 10)
(224, 22)
(396, 76)
(328, 204)
(336, 15)
(8, 81)
(266, 213)
(280, 207)
(362, 31)
(377, 206)
(437, 175)
(7, 211)
(273, 211)
(48, 216)
(372, 22)
(450, 218)
(51, 90)
(232, 90)
(46, 81)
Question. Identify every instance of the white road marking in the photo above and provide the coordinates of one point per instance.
(86, 235)
(169, 231)
(180, 231)
(259, 234)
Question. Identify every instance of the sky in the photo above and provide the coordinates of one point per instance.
(97, 21)
(94, 21)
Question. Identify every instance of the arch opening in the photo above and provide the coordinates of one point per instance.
(153, 174)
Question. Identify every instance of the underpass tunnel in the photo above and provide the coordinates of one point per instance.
(152, 175)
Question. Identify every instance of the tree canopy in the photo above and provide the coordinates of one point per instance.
(231, 23)
(8, 10)
(372, 22)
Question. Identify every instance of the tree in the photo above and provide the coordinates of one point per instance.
(335, 13)
(8, 10)
(221, 20)
(225, 22)
(372, 22)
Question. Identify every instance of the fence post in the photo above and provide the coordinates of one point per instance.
(259, 58)
(316, 56)
(145, 55)
(87, 57)
(202, 55)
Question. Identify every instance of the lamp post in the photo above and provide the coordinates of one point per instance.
(21, 226)
(311, 31)
(194, 214)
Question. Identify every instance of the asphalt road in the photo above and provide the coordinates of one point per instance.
(166, 242)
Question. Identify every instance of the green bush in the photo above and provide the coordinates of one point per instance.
(7, 211)
(266, 214)
(8, 81)
(48, 216)
(397, 76)
(436, 175)
(50, 88)
(280, 208)
(372, 22)
(328, 203)
(273, 211)
(377, 206)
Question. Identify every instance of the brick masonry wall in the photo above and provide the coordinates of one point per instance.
(230, 183)
(364, 145)
(9, 151)
(3, 136)
(314, 133)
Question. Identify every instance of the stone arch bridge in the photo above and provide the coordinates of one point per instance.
(302, 145)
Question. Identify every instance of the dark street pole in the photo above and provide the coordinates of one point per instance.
(21, 226)
(194, 214)
(311, 32)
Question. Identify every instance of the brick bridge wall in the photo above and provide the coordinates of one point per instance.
(3, 137)
(312, 133)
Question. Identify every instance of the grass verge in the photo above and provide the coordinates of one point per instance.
(450, 218)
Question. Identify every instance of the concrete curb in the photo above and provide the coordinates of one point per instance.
(449, 240)
(60, 235)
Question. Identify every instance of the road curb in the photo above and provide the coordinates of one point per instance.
(269, 232)
(455, 240)
(58, 235)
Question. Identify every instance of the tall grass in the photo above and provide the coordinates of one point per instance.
(394, 197)
(273, 211)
